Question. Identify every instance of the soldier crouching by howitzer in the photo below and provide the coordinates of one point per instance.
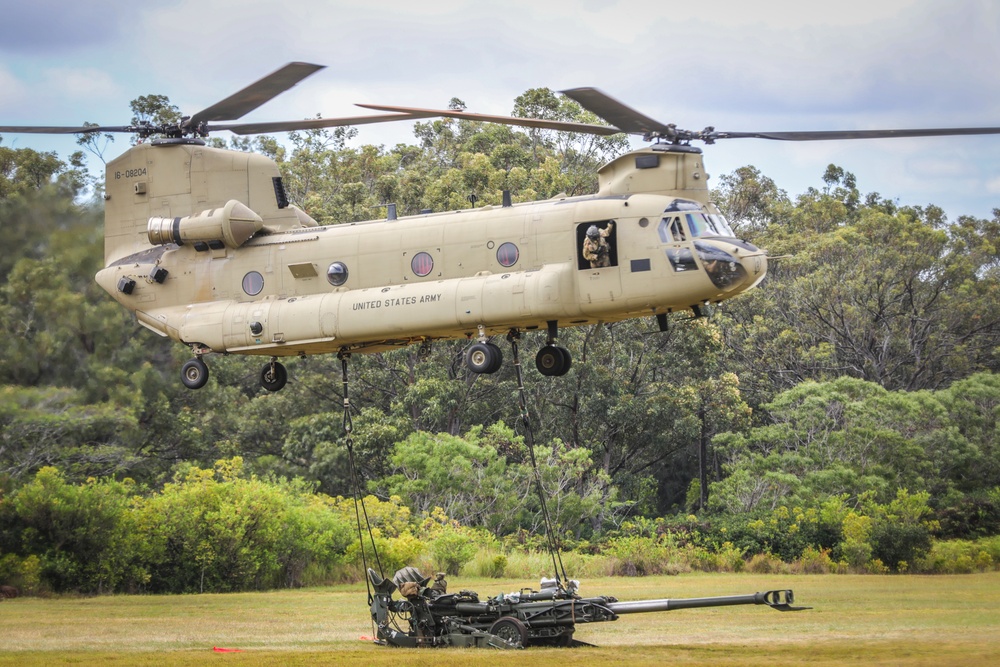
(596, 249)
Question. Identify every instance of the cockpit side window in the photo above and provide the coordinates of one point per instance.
(676, 230)
(671, 229)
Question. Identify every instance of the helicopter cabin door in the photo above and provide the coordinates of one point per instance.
(598, 274)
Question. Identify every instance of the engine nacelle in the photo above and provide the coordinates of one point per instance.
(231, 225)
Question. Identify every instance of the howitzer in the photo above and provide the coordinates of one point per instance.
(548, 616)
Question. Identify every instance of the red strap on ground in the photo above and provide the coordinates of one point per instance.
(219, 649)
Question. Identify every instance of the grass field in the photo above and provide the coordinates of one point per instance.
(869, 620)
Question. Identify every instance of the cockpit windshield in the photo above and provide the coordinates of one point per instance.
(708, 224)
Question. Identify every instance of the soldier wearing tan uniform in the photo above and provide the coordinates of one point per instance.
(595, 246)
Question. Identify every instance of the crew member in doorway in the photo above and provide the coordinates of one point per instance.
(595, 246)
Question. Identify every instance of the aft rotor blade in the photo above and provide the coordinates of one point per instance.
(616, 113)
(560, 125)
(311, 124)
(825, 135)
(41, 129)
(243, 102)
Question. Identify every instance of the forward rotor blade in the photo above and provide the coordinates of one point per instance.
(311, 124)
(616, 113)
(41, 129)
(560, 125)
(243, 102)
(824, 135)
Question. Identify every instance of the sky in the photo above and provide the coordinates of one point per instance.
(770, 65)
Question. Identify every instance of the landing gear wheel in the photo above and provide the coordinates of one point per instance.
(510, 629)
(273, 376)
(553, 361)
(194, 374)
(497, 358)
(484, 358)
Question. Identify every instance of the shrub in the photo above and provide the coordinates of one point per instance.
(726, 558)
(634, 556)
(876, 566)
(452, 548)
(893, 543)
(959, 557)
(815, 561)
(765, 563)
(25, 574)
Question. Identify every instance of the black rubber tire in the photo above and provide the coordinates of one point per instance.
(497, 358)
(273, 380)
(567, 361)
(553, 361)
(483, 358)
(510, 629)
(194, 374)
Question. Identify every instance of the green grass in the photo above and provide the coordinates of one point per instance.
(870, 620)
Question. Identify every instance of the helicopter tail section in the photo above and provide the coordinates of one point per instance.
(168, 180)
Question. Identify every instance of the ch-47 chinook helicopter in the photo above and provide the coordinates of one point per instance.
(203, 246)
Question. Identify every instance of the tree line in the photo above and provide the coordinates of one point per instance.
(865, 364)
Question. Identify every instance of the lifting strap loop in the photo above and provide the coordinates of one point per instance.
(529, 439)
(359, 500)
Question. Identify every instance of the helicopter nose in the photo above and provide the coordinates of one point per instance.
(732, 267)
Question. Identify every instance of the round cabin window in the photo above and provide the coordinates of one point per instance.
(253, 283)
(507, 254)
(422, 264)
(337, 274)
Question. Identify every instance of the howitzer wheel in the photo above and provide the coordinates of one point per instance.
(510, 629)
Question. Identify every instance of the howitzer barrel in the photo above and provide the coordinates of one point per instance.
(781, 600)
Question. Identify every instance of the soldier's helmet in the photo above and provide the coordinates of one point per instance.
(593, 232)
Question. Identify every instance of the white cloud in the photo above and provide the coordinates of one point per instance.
(13, 91)
(86, 83)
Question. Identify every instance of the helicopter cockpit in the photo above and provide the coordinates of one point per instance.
(683, 220)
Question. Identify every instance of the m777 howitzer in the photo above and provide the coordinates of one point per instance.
(547, 617)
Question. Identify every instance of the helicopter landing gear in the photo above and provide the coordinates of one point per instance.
(484, 358)
(273, 376)
(194, 373)
(553, 360)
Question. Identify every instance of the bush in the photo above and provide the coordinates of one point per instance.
(453, 547)
(814, 561)
(24, 574)
(893, 543)
(725, 559)
(765, 563)
(974, 516)
(82, 535)
(636, 556)
(959, 557)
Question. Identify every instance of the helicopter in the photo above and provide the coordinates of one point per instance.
(203, 246)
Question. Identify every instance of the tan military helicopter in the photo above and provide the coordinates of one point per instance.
(204, 247)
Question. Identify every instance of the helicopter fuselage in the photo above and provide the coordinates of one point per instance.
(206, 252)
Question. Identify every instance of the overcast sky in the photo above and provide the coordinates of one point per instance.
(736, 65)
